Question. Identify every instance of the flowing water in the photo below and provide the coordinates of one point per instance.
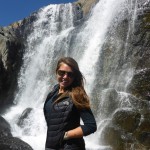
(54, 35)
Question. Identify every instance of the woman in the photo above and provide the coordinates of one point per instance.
(63, 108)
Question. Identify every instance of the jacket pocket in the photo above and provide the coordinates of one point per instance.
(55, 142)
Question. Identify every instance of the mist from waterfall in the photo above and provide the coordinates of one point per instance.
(54, 35)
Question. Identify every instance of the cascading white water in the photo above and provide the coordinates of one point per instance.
(50, 39)
(36, 74)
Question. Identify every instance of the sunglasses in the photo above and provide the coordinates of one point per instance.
(62, 73)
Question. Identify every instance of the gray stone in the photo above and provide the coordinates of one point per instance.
(5, 129)
(24, 116)
(126, 119)
(13, 143)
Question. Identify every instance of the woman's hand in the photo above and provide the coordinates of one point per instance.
(75, 133)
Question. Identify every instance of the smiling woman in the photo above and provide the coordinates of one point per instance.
(12, 11)
(65, 77)
(64, 106)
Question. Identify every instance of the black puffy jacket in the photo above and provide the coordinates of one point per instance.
(61, 117)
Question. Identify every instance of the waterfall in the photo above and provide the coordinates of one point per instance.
(54, 35)
(36, 76)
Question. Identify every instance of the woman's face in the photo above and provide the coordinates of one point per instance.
(65, 76)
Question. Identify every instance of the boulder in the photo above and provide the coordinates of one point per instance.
(111, 135)
(13, 143)
(127, 129)
(24, 116)
(5, 129)
(126, 119)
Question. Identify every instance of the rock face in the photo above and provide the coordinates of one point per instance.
(129, 128)
(10, 59)
(140, 82)
(86, 5)
(12, 44)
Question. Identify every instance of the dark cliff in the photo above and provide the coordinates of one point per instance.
(12, 44)
(10, 59)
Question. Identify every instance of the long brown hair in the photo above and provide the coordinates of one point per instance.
(76, 90)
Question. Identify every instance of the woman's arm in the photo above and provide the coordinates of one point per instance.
(75, 133)
(89, 121)
(86, 129)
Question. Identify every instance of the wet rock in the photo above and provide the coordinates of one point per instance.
(127, 129)
(142, 133)
(13, 143)
(110, 103)
(111, 135)
(143, 106)
(140, 86)
(24, 116)
(144, 138)
(126, 119)
(5, 129)
(135, 146)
